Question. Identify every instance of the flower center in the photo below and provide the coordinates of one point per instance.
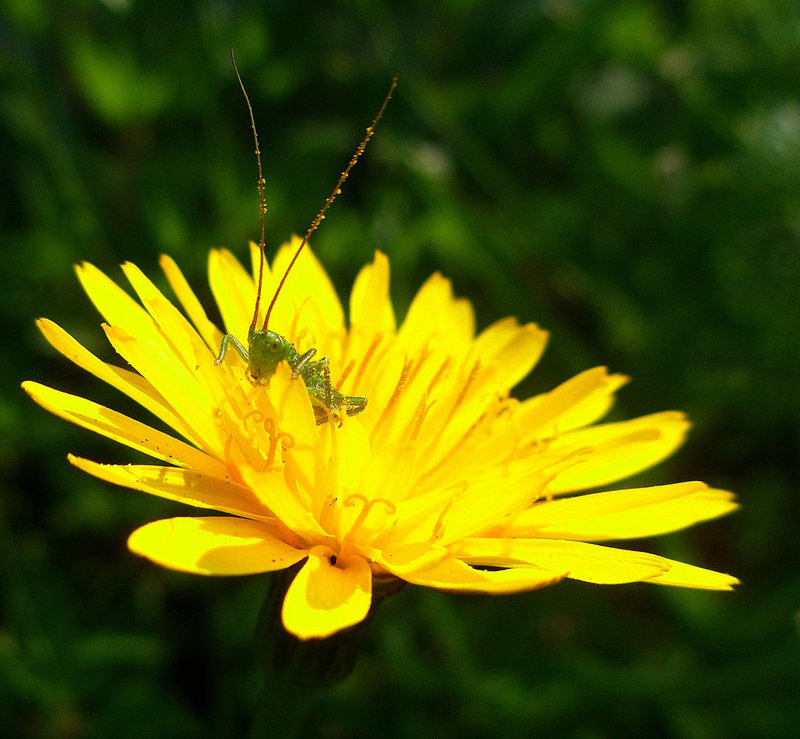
(348, 544)
(275, 438)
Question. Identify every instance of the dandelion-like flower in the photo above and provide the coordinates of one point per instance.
(444, 480)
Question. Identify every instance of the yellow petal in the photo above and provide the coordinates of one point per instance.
(308, 310)
(135, 335)
(130, 383)
(214, 545)
(184, 341)
(579, 401)
(404, 558)
(185, 486)
(371, 309)
(513, 348)
(115, 305)
(437, 320)
(122, 429)
(188, 396)
(327, 595)
(473, 501)
(256, 258)
(580, 561)
(350, 453)
(485, 500)
(289, 396)
(275, 495)
(618, 449)
(210, 333)
(133, 327)
(688, 576)
(234, 291)
(622, 514)
(455, 575)
(501, 356)
(291, 490)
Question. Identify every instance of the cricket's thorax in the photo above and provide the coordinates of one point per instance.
(266, 349)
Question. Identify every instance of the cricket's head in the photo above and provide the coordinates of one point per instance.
(266, 349)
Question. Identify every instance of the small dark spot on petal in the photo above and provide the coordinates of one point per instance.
(332, 559)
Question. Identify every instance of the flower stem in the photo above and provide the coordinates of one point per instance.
(296, 671)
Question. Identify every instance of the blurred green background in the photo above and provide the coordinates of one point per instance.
(627, 174)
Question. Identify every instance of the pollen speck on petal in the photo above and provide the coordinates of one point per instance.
(327, 595)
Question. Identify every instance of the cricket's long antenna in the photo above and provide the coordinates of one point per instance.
(336, 190)
(261, 198)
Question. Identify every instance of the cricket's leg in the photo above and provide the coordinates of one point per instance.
(231, 340)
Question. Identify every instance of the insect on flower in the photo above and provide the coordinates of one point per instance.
(444, 480)
(266, 348)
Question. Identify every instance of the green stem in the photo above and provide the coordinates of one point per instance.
(296, 672)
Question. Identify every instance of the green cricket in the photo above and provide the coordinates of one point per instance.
(266, 348)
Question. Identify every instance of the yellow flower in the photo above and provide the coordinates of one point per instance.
(444, 480)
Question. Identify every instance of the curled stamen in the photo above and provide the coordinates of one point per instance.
(233, 460)
(300, 337)
(275, 438)
(270, 428)
(355, 498)
(288, 440)
(255, 418)
(368, 505)
(253, 414)
(229, 465)
(439, 526)
(326, 513)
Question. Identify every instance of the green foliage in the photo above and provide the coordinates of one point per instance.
(626, 173)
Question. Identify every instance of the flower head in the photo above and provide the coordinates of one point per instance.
(443, 480)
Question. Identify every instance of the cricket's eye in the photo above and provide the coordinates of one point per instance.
(274, 343)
